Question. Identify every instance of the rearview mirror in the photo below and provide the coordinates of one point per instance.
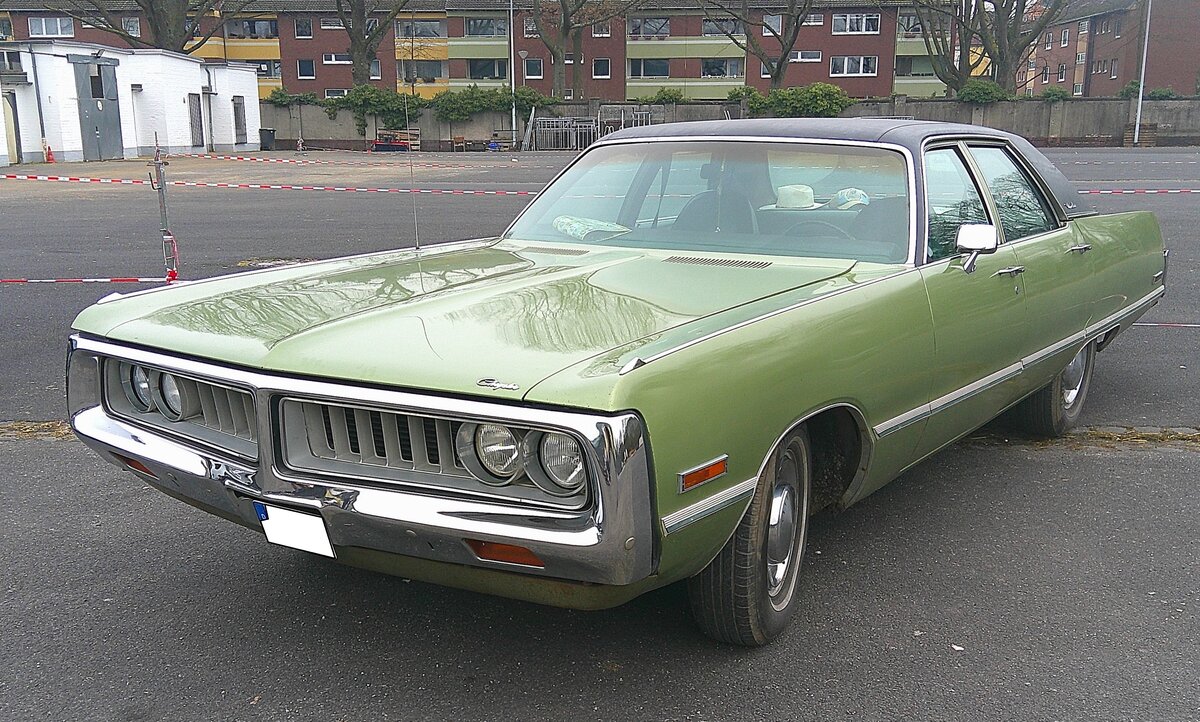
(976, 238)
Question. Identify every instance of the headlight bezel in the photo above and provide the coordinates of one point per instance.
(531, 464)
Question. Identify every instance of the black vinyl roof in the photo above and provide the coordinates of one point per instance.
(910, 134)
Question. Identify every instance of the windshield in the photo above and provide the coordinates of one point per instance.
(791, 199)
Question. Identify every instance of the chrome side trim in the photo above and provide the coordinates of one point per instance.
(1093, 331)
(721, 500)
(698, 467)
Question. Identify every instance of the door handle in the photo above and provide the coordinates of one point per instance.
(1012, 271)
(1080, 249)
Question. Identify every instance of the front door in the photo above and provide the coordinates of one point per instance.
(99, 111)
(196, 120)
(978, 317)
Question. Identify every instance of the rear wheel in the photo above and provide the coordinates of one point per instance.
(746, 595)
(1055, 409)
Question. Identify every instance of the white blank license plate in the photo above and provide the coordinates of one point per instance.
(294, 529)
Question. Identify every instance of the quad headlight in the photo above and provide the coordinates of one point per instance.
(135, 381)
(500, 455)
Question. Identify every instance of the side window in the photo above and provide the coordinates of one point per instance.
(1023, 212)
(953, 201)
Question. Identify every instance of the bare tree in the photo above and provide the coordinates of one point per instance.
(560, 24)
(366, 23)
(746, 29)
(170, 23)
(1002, 30)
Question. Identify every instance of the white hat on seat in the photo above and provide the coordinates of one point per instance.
(797, 196)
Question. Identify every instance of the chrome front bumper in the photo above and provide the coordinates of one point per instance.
(611, 542)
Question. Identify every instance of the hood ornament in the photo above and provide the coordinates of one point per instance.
(495, 385)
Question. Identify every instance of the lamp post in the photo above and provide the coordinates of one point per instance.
(523, 54)
(512, 78)
(1137, 123)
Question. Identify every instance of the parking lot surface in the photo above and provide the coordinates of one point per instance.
(999, 580)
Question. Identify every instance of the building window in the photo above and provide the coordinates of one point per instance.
(51, 28)
(6, 31)
(1083, 26)
(425, 71)
(306, 69)
(649, 68)
(487, 27)
(335, 93)
(712, 27)
(531, 30)
(533, 69)
(568, 58)
(721, 68)
(303, 28)
(602, 30)
(332, 24)
(239, 119)
(132, 26)
(1062, 72)
(256, 29)
(1080, 58)
(568, 94)
(601, 68)
(1046, 74)
(1028, 91)
(1032, 64)
(1117, 27)
(267, 68)
(908, 25)
(1066, 38)
(641, 28)
(814, 19)
(804, 56)
(854, 65)
(1113, 68)
(337, 59)
(763, 71)
(487, 69)
(376, 70)
(420, 29)
(1078, 89)
(856, 23)
(1049, 40)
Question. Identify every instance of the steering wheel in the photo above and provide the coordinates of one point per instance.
(837, 230)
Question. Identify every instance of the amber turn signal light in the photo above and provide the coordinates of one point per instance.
(136, 465)
(507, 553)
(701, 474)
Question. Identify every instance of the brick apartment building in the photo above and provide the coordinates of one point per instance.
(1094, 48)
(868, 47)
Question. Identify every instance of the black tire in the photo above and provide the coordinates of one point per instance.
(1052, 411)
(745, 596)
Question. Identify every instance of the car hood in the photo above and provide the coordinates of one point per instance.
(448, 317)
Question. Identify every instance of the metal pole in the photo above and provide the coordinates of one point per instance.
(1137, 125)
(512, 69)
(159, 183)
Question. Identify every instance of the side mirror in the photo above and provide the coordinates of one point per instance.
(975, 239)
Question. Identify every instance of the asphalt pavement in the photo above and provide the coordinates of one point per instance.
(999, 580)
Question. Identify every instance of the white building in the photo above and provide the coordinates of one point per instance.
(92, 102)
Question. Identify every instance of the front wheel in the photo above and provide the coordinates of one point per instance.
(746, 595)
(1055, 409)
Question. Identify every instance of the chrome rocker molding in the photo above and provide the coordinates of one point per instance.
(610, 542)
(741, 491)
(1104, 331)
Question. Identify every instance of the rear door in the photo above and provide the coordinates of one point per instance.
(979, 317)
(1057, 263)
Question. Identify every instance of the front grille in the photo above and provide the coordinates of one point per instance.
(223, 416)
(338, 433)
(393, 448)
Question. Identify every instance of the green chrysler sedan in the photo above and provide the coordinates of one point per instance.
(696, 337)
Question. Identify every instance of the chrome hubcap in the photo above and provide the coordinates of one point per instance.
(1072, 378)
(781, 529)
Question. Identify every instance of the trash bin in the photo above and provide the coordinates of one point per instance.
(266, 138)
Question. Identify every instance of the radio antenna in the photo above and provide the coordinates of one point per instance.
(412, 176)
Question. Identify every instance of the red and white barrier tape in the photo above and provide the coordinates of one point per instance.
(1136, 191)
(117, 279)
(360, 163)
(266, 186)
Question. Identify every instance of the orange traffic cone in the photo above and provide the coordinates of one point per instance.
(49, 154)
